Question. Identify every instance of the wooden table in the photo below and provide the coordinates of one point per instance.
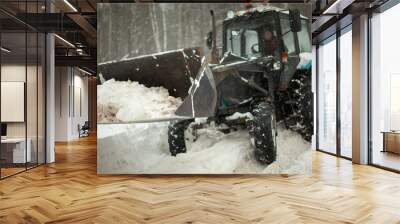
(391, 141)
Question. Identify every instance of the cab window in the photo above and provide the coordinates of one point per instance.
(233, 41)
(287, 36)
(304, 37)
(251, 43)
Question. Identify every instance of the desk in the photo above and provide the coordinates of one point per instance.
(391, 141)
(13, 150)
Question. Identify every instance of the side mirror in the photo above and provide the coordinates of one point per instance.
(209, 41)
(295, 20)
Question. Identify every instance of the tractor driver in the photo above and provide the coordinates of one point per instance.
(270, 42)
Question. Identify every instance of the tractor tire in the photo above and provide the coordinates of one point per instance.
(176, 136)
(263, 130)
(301, 118)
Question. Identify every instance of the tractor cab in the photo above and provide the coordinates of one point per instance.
(252, 35)
(275, 34)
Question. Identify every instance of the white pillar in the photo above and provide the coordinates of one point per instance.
(50, 93)
(360, 90)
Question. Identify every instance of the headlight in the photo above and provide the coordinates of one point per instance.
(277, 65)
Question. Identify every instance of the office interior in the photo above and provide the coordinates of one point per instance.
(45, 89)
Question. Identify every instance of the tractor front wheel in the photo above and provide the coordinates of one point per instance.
(263, 130)
(176, 136)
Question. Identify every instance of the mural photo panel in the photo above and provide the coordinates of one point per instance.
(204, 88)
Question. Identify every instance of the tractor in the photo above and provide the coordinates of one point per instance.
(256, 83)
(252, 82)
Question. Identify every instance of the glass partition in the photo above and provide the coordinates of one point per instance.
(23, 91)
(14, 154)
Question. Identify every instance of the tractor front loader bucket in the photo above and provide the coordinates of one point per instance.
(173, 70)
(202, 98)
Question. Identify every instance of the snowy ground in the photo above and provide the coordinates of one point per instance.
(124, 101)
(142, 148)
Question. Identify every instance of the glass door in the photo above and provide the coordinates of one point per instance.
(327, 96)
(346, 92)
(385, 90)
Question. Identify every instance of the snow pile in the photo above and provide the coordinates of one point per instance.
(123, 101)
(260, 8)
(238, 115)
(143, 148)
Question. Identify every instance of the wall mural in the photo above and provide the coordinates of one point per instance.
(204, 89)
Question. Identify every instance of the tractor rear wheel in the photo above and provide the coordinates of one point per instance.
(300, 94)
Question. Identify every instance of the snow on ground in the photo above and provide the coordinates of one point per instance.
(142, 148)
(123, 101)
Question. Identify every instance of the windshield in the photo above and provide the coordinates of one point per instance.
(250, 43)
(249, 38)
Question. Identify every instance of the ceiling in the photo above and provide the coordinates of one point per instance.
(74, 22)
(331, 15)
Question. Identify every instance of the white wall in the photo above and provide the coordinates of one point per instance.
(61, 103)
(70, 84)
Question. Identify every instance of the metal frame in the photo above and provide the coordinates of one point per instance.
(316, 97)
(44, 74)
(338, 97)
(369, 76)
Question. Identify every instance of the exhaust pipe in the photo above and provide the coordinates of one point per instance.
(214, 50)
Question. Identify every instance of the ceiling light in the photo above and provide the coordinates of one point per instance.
(70, 5)
(5, 50)
(65, 41)
(84, 71)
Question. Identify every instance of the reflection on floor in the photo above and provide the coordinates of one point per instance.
(11, 169)
(70, 191)
(387, 159)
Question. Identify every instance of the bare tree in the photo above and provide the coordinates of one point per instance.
(164, 22)
(154, 25)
